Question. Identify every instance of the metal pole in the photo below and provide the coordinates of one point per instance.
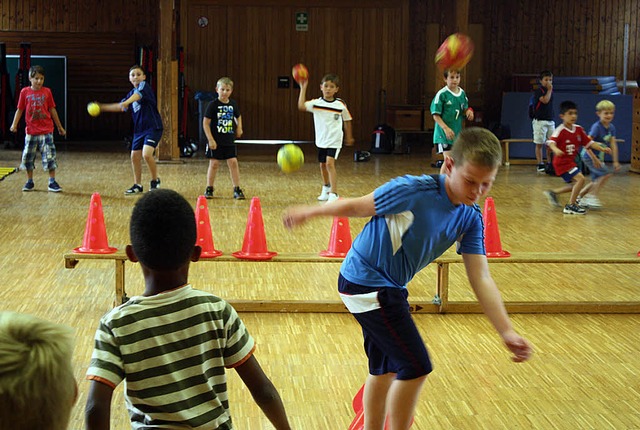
(625, 58)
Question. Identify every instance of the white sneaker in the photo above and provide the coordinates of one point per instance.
(332, 197)
(593, 201)
(324, 195)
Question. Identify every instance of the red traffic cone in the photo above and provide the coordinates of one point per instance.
(492, 243)
(358, 408)
(204, 238)
(340, 240)
(254, 246)
(95, 233)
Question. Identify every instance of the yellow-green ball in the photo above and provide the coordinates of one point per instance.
(290, 158)
(93, 109)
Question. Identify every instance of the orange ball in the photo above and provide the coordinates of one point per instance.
(300, 73)
(455, 52)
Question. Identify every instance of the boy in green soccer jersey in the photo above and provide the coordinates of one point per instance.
(448, 108)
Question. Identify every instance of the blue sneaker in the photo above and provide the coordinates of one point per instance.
(29, 186)
(54, 187)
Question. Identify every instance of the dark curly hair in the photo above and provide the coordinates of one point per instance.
(163, 230)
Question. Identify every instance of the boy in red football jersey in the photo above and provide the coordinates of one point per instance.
(36, 101)
(565, 142)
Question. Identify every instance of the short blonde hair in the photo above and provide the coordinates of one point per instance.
(224, 81)
(605, 105)
(478, 146)
(37, 387)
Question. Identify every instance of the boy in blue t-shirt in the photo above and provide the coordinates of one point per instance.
(147, 127)
(604, 132)
(414, 219)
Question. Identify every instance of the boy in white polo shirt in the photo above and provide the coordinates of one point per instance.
(330, 114)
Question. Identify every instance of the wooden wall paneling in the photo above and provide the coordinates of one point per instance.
(595, 37)
(475, 69)
(362, 117)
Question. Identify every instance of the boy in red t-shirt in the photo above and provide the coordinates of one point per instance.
(566, 142)
(37, 102)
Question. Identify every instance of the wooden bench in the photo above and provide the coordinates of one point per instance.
(439, 304)
(505, 151)
(538, 307)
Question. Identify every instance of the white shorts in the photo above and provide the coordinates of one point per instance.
(542, 130)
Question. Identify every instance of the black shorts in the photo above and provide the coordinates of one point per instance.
(442, 147)
(223, 152)
(323, 153)
(391, 339)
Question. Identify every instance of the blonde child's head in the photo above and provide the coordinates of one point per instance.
(605, 105)
(478, 146)
(224, 81)
(37, 387)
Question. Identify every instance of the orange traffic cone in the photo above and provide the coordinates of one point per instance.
(205, 238)
(358, 408)
(340, 240)
(492, 243)
(95, 233)
(254, 246)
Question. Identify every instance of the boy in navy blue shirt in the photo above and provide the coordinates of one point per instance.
(147, 127)
(542, 121)
(414, 219)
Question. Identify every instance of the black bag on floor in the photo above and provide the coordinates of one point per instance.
(383, 139)
(384, 136)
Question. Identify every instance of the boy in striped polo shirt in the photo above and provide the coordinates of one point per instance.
(172, 344)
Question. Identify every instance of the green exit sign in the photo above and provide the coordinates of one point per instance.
(302, 21)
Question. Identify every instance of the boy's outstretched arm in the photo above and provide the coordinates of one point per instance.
(600, 147)
(356, 207)
(447, 130)
(16, 120)
(264, 393)
(97, 412)
(56, 120)
(552, 145)
(614, 154)
(348, 133)
(489, 298)
(302, 98)
(119, 107)
(206, 127)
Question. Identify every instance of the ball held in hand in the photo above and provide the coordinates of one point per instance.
(455, 52)
(300, 73)
(290, 158)
(93, 109)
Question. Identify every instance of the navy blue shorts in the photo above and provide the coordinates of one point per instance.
(150, 138)
(568, 176)
(391, 339)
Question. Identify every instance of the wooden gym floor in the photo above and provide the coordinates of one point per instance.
(584, 375)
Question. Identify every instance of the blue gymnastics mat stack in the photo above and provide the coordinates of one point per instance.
(605, 85)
